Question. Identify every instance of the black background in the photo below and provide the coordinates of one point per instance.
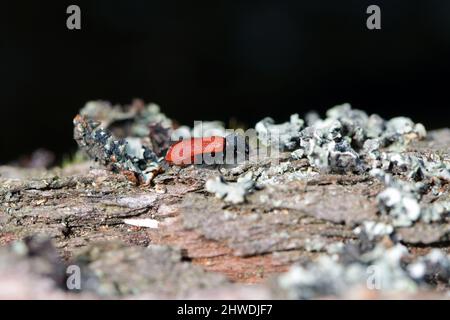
(206, 60)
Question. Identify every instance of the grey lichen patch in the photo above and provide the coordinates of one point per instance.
(374, 230)
(131, 120)
(347, 140)
(232, 192)
(415, 167)
(435, 266)
(130, 155)
(401, 201)
(285, 172)
(383, 268)
(285, 134)
(128, 139)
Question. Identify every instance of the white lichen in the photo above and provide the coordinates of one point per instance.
(232, 192)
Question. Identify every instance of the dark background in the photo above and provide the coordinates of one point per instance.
(206, 60)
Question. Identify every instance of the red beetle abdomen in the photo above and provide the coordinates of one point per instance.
(186, 151)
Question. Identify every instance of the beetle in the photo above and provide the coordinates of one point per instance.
(213, 150)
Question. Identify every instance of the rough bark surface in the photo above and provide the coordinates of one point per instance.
(202, 247)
